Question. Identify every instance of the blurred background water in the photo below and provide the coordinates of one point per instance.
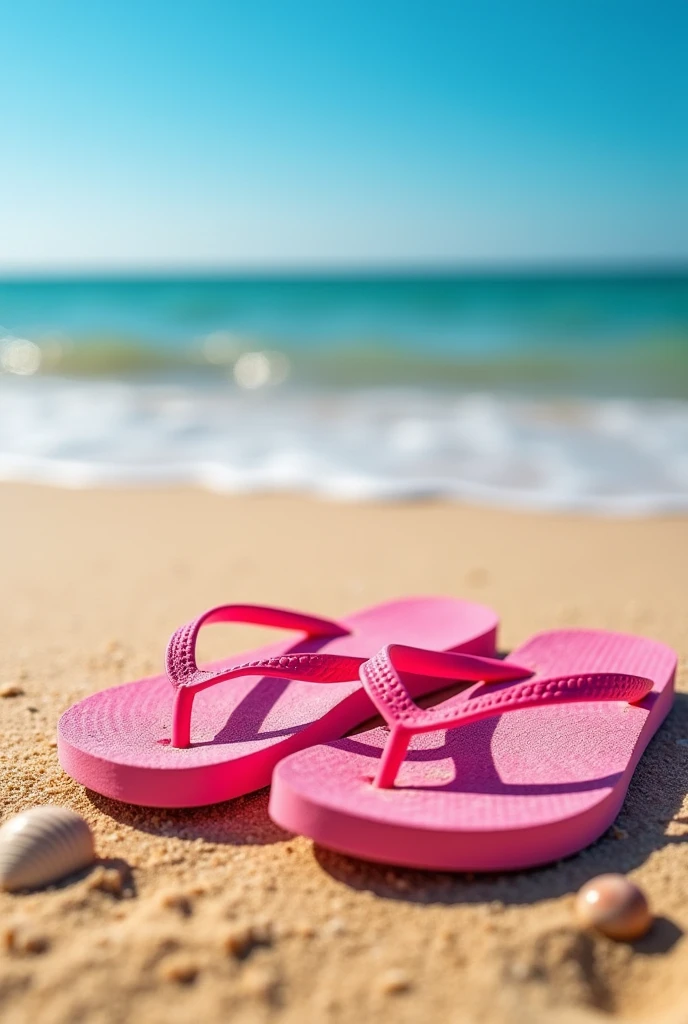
(185, 188)
(536, 390)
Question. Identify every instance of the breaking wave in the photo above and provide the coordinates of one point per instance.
(605, 455)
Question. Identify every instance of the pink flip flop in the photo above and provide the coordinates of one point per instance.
(200, 736)
(498, 777)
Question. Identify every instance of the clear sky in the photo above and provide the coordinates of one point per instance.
(155, 133)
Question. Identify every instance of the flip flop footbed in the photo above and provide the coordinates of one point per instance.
(118, 741)
(512, 791)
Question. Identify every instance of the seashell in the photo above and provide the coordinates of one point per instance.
(42, 845)
(613, 905)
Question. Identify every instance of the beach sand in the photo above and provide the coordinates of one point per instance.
(216, 914)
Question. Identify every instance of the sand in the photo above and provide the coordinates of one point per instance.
(217, 914)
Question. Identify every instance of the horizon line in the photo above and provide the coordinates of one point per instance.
(332, 270)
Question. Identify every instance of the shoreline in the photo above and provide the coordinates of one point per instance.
(245, 433)
(216, 912)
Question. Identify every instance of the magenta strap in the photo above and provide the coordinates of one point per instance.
(380, 676)
(310, 668)
(187, 678)
(180, 659)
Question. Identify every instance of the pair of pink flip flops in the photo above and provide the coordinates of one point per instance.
(526, 765)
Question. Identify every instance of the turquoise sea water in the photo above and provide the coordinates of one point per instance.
(590, 334)
(556, 391)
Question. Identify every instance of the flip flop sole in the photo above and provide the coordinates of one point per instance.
(508, 792)
(117, 742)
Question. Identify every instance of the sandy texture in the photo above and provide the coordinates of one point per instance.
(216, 914)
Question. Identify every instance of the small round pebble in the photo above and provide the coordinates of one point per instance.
(614, 906)
(179, 969)
(11, 690)
(394, 981)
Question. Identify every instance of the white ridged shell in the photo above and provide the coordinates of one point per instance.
(42, 845)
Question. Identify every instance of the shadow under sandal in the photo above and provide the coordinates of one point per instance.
(502, 776)
(196, 736)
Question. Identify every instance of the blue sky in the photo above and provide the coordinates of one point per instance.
(156, 133)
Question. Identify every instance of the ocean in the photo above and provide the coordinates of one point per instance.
(564, 391)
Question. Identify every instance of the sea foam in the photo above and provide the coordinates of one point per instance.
(615, 456)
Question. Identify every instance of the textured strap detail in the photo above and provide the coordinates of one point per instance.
(180, 659)
(187, 678)
(310, 668)
(380, 676)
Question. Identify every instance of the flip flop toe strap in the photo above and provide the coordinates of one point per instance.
(188, 679)
(180, 659)
(381, 678)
